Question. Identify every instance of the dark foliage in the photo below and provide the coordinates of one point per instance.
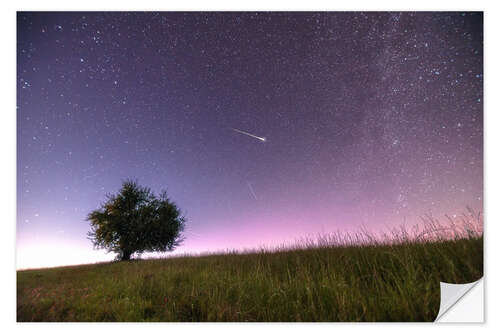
(135, 221)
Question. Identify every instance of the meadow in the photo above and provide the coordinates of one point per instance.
(336, 277)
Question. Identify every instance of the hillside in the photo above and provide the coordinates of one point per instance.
(391, 282)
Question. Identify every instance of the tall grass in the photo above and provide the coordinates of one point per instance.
(363, 276)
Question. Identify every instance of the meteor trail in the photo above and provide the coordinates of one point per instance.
(251, 190)
(253, 136)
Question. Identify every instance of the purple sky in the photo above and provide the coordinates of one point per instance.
(371, 119)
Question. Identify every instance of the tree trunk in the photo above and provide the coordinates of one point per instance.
(126, 255)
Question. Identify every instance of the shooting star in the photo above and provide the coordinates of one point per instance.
(251, 135)
(251, 190)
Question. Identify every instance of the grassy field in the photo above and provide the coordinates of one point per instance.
(336, 278)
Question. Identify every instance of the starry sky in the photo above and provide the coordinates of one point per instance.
(370, 118)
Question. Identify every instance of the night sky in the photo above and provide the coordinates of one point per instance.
(370, 119)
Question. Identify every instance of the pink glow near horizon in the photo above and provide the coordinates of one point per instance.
(268, 234)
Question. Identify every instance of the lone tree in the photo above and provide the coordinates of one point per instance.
(135, 221)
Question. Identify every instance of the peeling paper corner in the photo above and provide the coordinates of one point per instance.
(455, 303)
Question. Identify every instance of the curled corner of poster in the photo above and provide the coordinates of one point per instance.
(461, 303)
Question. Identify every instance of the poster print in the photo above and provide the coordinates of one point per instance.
(247, 166)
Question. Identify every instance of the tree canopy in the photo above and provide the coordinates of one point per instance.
(135, 220)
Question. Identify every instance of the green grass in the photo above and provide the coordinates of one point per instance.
(340, 278)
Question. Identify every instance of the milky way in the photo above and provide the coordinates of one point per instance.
(371, 119)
